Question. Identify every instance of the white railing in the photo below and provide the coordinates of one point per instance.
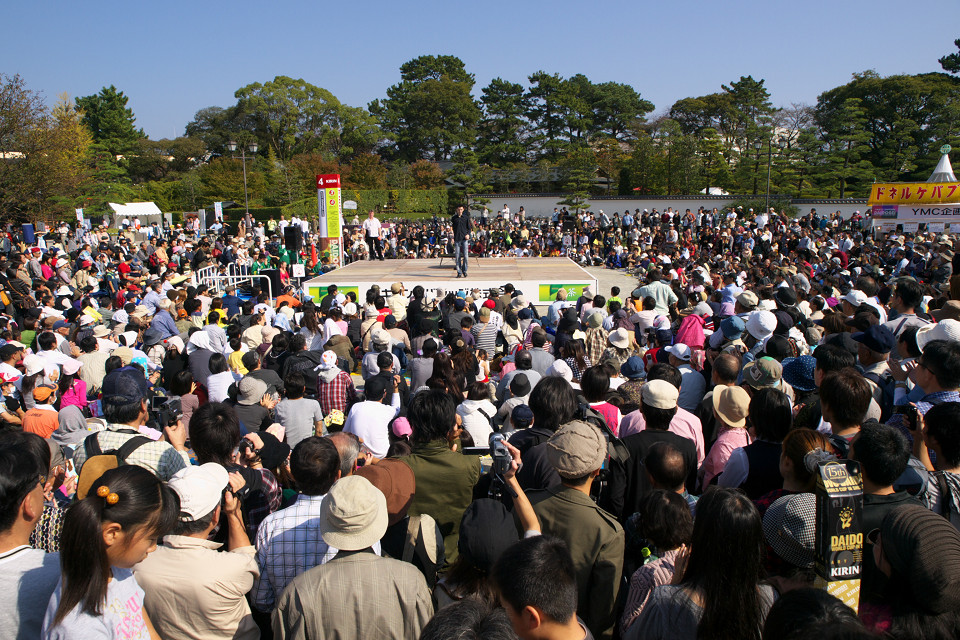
(238, 274)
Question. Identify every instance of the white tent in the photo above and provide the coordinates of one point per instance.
(714, 191)
(134, 209)
(944, 171)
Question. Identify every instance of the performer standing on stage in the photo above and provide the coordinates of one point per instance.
(371, 231)
(462, 226)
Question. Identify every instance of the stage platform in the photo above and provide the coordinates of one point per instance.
(538, 278)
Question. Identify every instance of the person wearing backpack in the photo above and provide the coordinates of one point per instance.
(873, 349)
(125, 407)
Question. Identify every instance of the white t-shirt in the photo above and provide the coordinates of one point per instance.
(371, 227)
(122, 614)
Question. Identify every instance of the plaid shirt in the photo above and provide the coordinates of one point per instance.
(158, 456)
(336, 394)
(288, 544)
(923, 405)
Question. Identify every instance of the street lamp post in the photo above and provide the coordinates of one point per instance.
(252, 148)
(780, 144)
(758, 145)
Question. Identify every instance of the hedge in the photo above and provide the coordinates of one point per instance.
(398, 201)
(431, 201)
(259, 214)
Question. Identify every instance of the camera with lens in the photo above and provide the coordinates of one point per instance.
(501, 456)
(166, 410)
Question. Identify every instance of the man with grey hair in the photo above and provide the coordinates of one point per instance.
(163, 320)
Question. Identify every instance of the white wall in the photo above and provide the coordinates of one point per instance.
(542, 204)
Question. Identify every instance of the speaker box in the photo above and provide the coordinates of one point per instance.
(274, 275)
(292, 239)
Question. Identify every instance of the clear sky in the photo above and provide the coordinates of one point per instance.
(173, 58)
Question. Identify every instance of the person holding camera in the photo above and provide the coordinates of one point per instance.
(189, 584)
(126, 408)
(578, 451)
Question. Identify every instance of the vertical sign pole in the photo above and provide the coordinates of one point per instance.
(331, 221)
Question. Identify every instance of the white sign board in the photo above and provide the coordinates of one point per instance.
(299, 271)
(936, 227)
(350, 204)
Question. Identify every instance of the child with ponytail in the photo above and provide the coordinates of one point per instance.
(103, 537)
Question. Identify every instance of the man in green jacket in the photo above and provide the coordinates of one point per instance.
(445, 477)
(596, 541)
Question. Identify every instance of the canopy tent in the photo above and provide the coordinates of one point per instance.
(147, 212)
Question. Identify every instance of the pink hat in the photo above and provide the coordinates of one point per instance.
(401, 428)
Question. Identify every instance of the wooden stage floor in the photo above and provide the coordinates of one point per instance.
(528, 274)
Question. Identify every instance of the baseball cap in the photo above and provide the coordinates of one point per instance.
(855, 297)
(679, 351)
(200, 489)
(44, 391)
(732, 404)
(124, 386)
(732, 327)
(748, 300)
(659, 394)
(521, 416)
(877, 338)
(763, 372)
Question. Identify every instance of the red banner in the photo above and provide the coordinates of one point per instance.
(328, 181)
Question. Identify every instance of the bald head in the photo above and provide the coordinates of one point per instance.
(666, 467)
(726, 368)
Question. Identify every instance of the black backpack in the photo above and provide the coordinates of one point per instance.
(887, 386)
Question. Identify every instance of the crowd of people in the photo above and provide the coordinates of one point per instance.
(181, 462)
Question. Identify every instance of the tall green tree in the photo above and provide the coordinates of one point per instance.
(908, 118)
(848, 142)
(431, 112)
(504, 129)
(547, 110)
(580, 169)
(951, 61)
(618, 110)
(474, 178)
(110, 120)
(292, 116)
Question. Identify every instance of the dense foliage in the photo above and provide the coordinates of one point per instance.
(435, 130)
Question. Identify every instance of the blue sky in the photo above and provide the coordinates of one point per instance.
(173, 58)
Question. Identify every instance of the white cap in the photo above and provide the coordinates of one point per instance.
(679, 351)
(33, 364)
(659, 394)
(855, 297)
(200, 489)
